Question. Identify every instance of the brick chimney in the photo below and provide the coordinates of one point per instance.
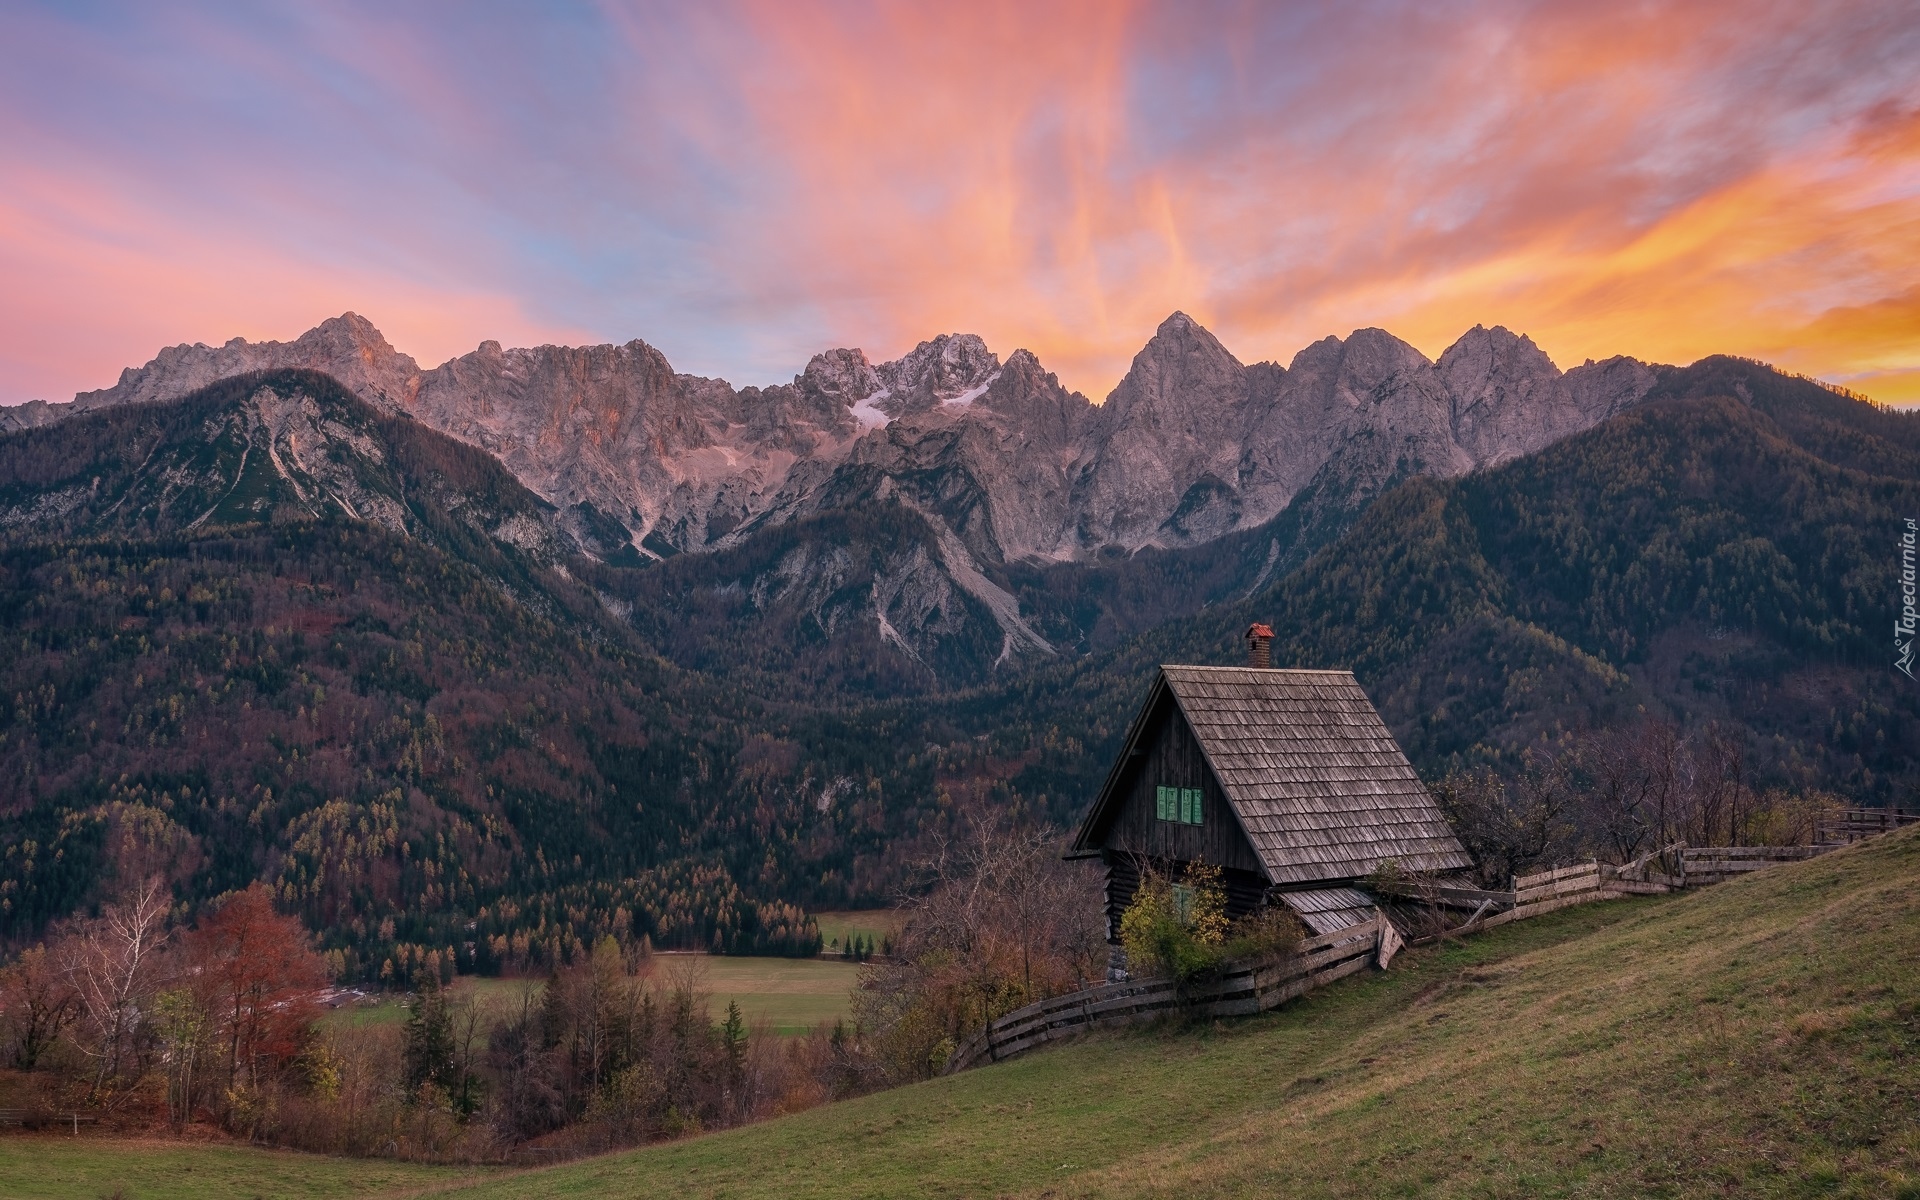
(1259, 646)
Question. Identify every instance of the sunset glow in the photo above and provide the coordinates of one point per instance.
(743, 185)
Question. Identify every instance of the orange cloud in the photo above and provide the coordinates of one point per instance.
(745, 183)
(110, 284)
(1601, 182)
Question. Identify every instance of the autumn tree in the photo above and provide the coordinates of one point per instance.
(258, 976)
(37, 1002)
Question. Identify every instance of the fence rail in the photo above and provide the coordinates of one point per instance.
(1854, 824)
(1239, 992)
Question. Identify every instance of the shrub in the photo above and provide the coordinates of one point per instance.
(1180, 930)
(1176, 929)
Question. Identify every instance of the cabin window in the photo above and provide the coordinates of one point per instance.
(1182, 903)
(1177, 804)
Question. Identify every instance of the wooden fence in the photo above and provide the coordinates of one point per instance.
(1853, 824)
(1237, 993)
(1667, 870)
(1332, 956)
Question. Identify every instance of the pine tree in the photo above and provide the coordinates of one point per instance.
(429, 1046)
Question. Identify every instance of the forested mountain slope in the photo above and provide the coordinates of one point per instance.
(1725, 553)
(418, 730)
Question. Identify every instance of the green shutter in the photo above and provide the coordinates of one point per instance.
(1162, 803)
(1192, 796)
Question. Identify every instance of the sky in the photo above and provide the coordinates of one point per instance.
(743, 184)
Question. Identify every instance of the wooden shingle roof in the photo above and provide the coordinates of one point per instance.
(1320, 787)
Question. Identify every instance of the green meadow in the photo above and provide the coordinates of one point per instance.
(44, 1166)
(875, 923)
(789, 995)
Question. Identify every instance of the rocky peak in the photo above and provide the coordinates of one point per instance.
(1601, 389)
(952, 369)
(1508, 397)
(1484, 363)
(843, 375)
(348, 347)
(1182, 380)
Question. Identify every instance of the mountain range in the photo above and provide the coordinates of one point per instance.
(494, 659)
(1002, 466)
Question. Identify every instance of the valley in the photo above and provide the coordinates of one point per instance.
(272, 638)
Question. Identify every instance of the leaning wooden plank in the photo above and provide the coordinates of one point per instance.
(1571, 878)
(1350, 933)
(1571, 883)
(1444, 894)
(1549, 876)
(1547, 906)
(1526, 899)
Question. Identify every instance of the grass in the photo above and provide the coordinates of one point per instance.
(876, 923)
(1761, 1038)
(47, 1167)
(792, 995)
(501, 995)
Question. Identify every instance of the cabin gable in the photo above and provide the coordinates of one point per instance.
(1143, 822)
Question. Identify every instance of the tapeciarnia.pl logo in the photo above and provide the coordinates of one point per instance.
(1903, 628)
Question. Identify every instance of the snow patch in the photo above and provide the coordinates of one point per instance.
(867, 411)
(971, 394)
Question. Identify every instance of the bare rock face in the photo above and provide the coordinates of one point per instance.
(1613, 385)
(1165, 449)
(1000, 461)
(346, 347)
(1508, 396)
(952, 369)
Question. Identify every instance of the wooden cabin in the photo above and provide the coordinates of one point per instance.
(1287, 780)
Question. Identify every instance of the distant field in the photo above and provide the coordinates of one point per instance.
(49, 1167)
(503, 995)
(791, 994)
(837, 927)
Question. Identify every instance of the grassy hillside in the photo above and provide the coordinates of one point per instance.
(1760, 1039)
(51, 1167)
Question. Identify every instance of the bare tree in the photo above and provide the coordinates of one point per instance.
(1001, 921)
(1620, 799)
(1511, 824)
(112, 963)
